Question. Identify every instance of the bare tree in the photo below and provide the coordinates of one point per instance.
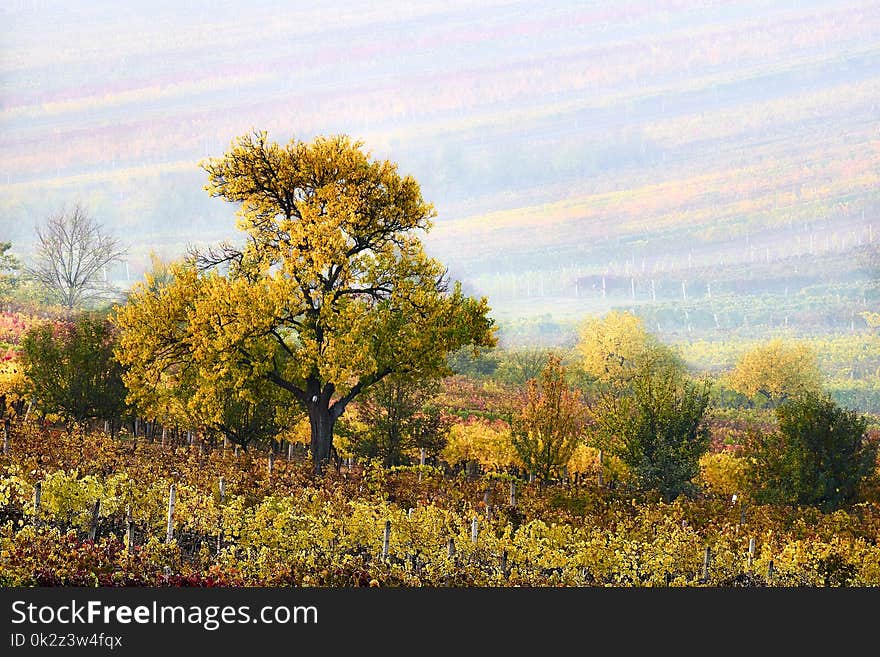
(72, 254)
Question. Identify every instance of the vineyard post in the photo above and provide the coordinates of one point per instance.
(513, 494)
(504, 563)
(386, 539)
(93, 525)
(707, 557)
(422, 455)
(751, 551)
(450, 548)
(289, 451)
(222, 487)
(129, 528)
(271, 462)
(172, 498)
(769, 571)
(475, 529)
(599, 478)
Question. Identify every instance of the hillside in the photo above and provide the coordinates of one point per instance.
(689, 158)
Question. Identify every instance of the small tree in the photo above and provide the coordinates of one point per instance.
(656, 427)
(70, 369)
(613, 349)
(399, 417)
(73, 252)
(518, 366)
(819, 455)
(549, 425)
(776, 371)
(478, 440)
(9, 270)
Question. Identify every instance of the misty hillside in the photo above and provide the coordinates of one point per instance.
(715, 165)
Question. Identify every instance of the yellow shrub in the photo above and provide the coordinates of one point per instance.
(479, 440)
(723, 474)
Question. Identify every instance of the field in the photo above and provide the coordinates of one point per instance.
(239, 519)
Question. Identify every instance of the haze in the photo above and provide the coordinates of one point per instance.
(712, 164)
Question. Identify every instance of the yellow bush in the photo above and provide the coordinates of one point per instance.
(482, 441)
(723, 474)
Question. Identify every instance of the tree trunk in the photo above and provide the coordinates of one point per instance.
(321, 421)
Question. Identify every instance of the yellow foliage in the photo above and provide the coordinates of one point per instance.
(478, 440)
(584, 459)
(723, 474)
(777, 369)
(873, 319)
(300, 433)
(612, 348)
(549, 425)
(12, 383)
(331, 293)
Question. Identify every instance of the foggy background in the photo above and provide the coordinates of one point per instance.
(712, 165)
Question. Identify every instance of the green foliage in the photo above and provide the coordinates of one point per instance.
(70, 368)
(819, 456)
(292, 528)
(657, 428)
(475, 366)
(398, 417)
(253, 414)
(10, 269)
(517, 366)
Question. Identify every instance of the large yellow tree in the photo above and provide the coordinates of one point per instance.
(329, 293)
